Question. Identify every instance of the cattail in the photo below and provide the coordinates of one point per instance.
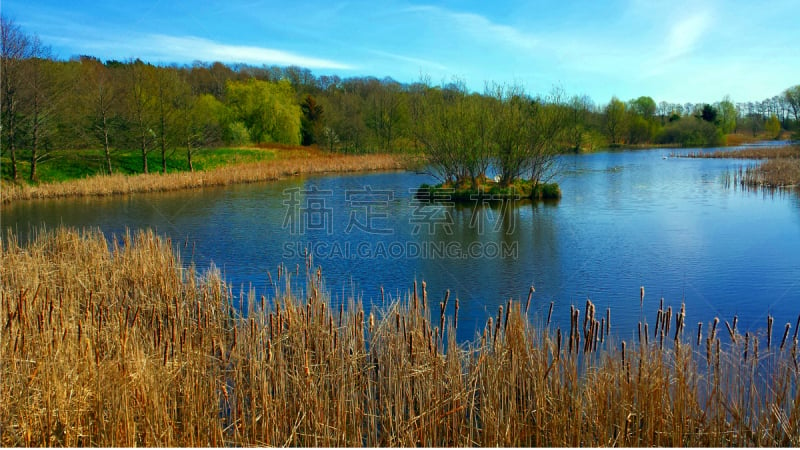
(383, 298)
(528, 303)
(658, 321)
(796, 328)
(603, 329)
(713, 334)
(371, 322)
(455, 316)
(699, 332)
(558, 342)
(746, 345)
(646, 334)
(608, 321)
(755, 349)
(731, 332)
(785, 334)
(641, 296)
(306, 370)
(414, 304)
(735, 321)
(441, 315)
(769, 332)
(640, 332)
(623, 353)
(499, 318)
(508, 313)
(669, 319)
(424, 296)
(549, 313)
(446, 298)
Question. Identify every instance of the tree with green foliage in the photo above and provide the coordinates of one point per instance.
(169, 88)
(200, 123)
(313, 120)
(644, 106)
(385, 112)
(98, 100)
(773, 127)
(141, 107)
(615, 123)
(708, 113)
(726, 115)
(268, 110)
(792, 96)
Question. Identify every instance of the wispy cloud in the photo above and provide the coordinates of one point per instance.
(478, 27)
(191, 47)
(423, 63)
(483, 28)
(685, 33)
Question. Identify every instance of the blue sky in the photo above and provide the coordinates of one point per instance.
(676, 51)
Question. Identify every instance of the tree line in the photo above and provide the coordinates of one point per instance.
(51, 106)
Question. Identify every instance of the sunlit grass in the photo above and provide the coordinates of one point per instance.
(118, 344)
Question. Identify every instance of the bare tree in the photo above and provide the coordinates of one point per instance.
(14, 49)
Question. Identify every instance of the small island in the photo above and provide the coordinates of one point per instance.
(516, 135)
(489, 190)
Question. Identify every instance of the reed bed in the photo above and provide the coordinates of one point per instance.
(779, 152)
(114, 342)
(289, 163)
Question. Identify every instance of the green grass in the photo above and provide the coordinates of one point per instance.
(71, 164)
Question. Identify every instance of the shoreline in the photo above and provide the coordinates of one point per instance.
(284, 167)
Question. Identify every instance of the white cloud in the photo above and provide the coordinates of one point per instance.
(478, 27)
(196, 48)
(684, 35)
(422, 63)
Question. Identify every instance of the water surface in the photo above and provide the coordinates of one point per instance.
(627, 219)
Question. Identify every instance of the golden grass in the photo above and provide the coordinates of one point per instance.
(288, 163)
(785, 152)
(120, 345)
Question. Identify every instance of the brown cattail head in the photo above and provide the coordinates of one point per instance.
(699, 332)
(785, 334)
(769, 331)
(530, 295)
(455, 316)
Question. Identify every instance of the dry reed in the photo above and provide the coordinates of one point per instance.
(289, 163)
(114, 342)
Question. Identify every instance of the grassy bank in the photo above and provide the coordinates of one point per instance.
(118, 345)
(227, 167)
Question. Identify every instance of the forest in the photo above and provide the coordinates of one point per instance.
(51, 107)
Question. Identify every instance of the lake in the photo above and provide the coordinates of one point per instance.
(627, 219)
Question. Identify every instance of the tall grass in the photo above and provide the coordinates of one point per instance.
(293, 163)
(113, 342)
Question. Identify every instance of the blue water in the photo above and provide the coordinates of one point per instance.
(627, 219)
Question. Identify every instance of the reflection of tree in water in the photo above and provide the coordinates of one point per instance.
(525, 228)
